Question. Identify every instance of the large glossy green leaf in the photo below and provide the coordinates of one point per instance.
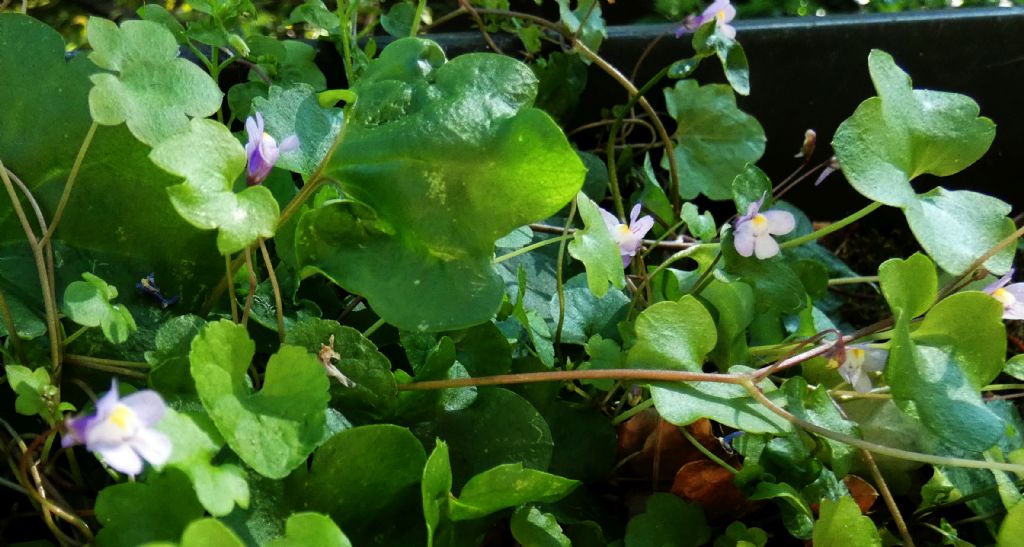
(587, 315)
(195, 443)
(155, 91)
(134, 513)
(508, 485)
(728, 404)
(969, 326)
(904, 133)
(438, 160)
(714, 139)
(674, 336)
(668, 522)
(276, 428)
(362, 472)
(210, 158)
(119, 224)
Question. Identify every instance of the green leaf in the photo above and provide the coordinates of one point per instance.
(304, 529)
(296, 111)
(508, 485)
(1015, 366)
(668, 522)
(437, 166)
(596, 248)
(362, 473)
(209, 531)
(968, 325)
(1012, 528)
(903, 133)
(169, 368)
(375, 392)
(532, 527)
(710, 38)
(728, 404)
(499, 427)
(134, 513)
(818, 408)
(928, 383)
(585, 21)
(585, 442)
(714, 139)
(909, 286)
(734, 303)
(272, 430)
(673, 336)
(796, 514)
(750, 186)
(27, 323)
(33, 388)
(841, 523)
(195, 443)
(155, 92)
(957, 227)
(399, 19)
(436, 488)
(700, 226)
(88, 304)
(587, 315)
(210, 158)
(776, 286)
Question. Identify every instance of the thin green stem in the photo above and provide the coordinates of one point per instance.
(644, 405)
(278, 301)
(559, 281)
(613, 175)
(651, 375)
(1002, 387)
(676, 257)
(373, 328)
(115, 370)
(873, 447)
(45, 285)
(74, 336)
(80, 359)
(12, 330)
(532, 247)
(345, 34)
(853, 280)
(709, 454)
(228, 275)
(66, 196)
(417, 17)
(252, 287)
(834, 227)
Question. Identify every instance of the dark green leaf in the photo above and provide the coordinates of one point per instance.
(668, 522)
(508, 485)
(138, 512)
(532, 527)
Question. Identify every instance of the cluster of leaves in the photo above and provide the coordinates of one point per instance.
(518, 384)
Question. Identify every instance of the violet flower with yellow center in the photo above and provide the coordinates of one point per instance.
(754, 231)
(721, 11)
(1010, 295)
(262, 151)
(122, 431)
(628, 237)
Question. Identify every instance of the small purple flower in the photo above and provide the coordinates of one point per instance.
(629, 238)
(858, 362)
(1011, 296)
(754, 231)
(262, 151)
(121, 431)
(722, 11)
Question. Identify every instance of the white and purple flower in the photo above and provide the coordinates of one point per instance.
(754, 231)
(721, 11)
(262, 151)
(629, 237)
(1010, 295)
(122, 430)
(858, 363)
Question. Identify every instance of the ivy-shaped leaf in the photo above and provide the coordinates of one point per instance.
(508, 485)
(714, 140)
(275, 429)
(155, 92)
(135, 513)
(531, 526)
(195, 443)
(304, 529)
(904, 133)
(841, 523)
(585, 21)
(88, 304)
(210, 158)
(435, 488)
(33, 388)
(673, 336)
(296, 111)
(728, 404)
(708, 40)
(595, 247)
(438, 161)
